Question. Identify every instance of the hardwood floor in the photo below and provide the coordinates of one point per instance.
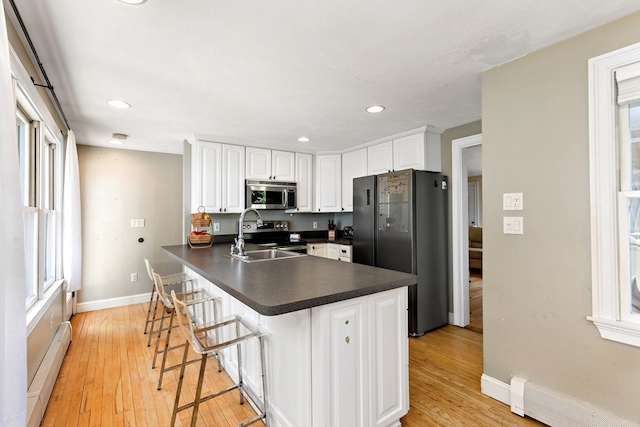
(106, 380)
(445, 366)
(475, 301)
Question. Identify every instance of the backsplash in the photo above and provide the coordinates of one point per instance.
(297, 222)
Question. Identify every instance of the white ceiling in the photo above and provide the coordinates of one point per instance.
(263, 73)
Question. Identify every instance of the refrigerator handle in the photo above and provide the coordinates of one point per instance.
(368, 196)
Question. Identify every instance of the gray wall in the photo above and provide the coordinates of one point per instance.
(116, 186)
(537, 286)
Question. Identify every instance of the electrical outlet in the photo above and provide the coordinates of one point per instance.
(134, 277)
(216, 226)
(315, 224)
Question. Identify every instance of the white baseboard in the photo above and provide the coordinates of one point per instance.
(112, 302)
(495, 389)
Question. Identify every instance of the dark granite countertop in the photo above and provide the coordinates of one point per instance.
(290, 284)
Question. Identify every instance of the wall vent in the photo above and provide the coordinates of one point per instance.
(556, 409)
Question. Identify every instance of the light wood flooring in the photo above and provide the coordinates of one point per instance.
(106, 380)
(475, 301)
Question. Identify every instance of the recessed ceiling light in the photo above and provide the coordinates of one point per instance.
(303, 139)
(133, 1)
(375, 109)
(118, 104)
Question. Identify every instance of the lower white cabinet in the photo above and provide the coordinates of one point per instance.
(317, 249)
(333, 251)
(340, 364)
(361, 376)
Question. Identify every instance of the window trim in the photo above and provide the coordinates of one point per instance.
(605, 271)
(30, 104)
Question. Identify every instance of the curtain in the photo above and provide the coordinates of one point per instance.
(13, 321)
(71, 230)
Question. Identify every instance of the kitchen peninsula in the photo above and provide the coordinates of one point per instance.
(337, 346)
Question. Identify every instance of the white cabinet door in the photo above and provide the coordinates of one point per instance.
(345, 253)
(233, 188)
(304, 178)
(354, 165)
(408, 152)
(328, 183)
(388, 346)
(283, 165)
(258, 163)
(340, 376)
(380, 158)
(333, 251)
(317, 249)
(266, 164)
(206, 176)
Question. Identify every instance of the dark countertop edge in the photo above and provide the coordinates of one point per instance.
(290, 307)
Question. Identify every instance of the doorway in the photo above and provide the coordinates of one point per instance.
(460, 226)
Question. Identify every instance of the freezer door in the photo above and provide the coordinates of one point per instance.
(364, 220)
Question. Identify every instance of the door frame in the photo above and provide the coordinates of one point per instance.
(460, 228)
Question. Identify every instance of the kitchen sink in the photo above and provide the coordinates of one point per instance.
(266, 255)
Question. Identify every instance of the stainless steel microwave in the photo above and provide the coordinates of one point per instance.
(270, 194)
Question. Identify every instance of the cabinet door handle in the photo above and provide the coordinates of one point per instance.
(220, 209)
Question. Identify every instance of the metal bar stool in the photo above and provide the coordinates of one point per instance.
(236, 331)
(168, 280)
(192, 298)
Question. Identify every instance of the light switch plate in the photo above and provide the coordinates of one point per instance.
(512, 201)
(513, 225)
(137, 223)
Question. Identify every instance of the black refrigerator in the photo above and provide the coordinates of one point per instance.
(400, 222)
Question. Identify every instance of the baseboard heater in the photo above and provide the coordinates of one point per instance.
(41, 387)
(557, 409)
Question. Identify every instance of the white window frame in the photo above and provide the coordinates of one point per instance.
(605, 253)
(33, 108)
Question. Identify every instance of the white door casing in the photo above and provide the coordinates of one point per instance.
(459, 228)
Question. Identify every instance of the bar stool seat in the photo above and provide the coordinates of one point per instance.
(192, 298)
(206, 340)
(168, 280)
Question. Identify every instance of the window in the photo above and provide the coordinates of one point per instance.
(614, 138)
(40, 181)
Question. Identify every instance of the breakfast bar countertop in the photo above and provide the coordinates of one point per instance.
(279, 286)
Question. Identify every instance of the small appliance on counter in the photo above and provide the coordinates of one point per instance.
(347, 232)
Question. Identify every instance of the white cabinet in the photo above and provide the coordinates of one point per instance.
(317, 249)
(333, 251)
(340, 364)
(217, 177)
(354, 165)
(352, 379)
(266, 164)
(304, 178)
(344, 253)
(380, 158)
(420, 151)
(328, 183)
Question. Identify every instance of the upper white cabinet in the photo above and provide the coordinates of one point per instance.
(380, 158)
(328, 183)
(420, 151)
(266, 164)
(217, 177)
(304, 178)
(354, 165)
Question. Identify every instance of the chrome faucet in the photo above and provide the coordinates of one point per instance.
(238, 247)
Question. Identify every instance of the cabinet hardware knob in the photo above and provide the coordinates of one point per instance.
(347, 339)
(140, 240)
